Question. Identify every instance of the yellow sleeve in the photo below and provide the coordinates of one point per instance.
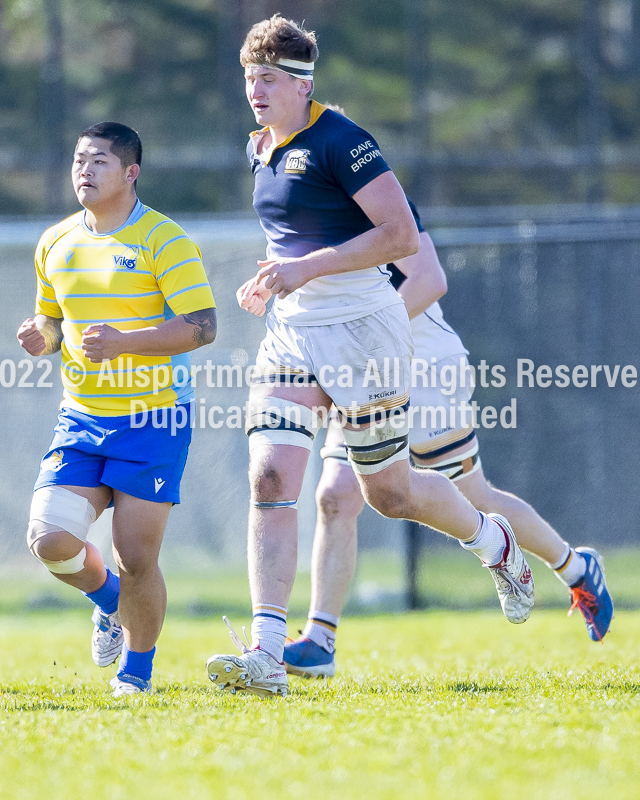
(46, 302)
(179, 271)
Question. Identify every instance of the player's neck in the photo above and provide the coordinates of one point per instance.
(104, 219)
(282, 130)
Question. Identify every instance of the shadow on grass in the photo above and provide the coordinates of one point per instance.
(623, 687)
(471, 687)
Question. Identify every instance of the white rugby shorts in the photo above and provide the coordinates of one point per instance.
(364, 365)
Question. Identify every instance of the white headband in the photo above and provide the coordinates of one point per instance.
(297, 69)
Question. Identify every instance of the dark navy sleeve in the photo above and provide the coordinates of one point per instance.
(416, 216)
(353, 154)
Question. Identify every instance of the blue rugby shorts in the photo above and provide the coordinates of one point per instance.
(146, 461)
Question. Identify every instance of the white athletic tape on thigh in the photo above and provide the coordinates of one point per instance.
(454, 467)
(68, 567)
(64, 509)
(277, 504)
(273, 420)
(375, 448)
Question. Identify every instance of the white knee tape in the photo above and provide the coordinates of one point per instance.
(273, 420)
(60, 510)
(375, 448)
(68, 567)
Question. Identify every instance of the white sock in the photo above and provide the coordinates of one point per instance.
(570, 568)
(269, 629)
(488, 542)
(321, 628)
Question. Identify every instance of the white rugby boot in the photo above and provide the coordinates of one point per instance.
(123, 688)
(512, 577)
(255, 671)
(107, 638)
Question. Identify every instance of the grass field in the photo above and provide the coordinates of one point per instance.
(438, 704)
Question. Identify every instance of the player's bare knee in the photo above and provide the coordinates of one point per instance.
(135, 562)
(387, 501)
(339, 497)
(267, 484)
(53, 546)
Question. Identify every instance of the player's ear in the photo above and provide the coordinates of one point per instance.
(133, 171)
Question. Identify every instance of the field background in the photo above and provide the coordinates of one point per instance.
(441, 703)
(514, 127)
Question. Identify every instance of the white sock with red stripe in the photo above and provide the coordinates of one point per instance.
(321, 628)
(269, 629)
(488, 542)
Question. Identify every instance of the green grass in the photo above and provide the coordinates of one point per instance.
(449, 578)
(438, 704)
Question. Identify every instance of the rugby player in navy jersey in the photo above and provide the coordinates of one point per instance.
(434, 444)
(333, 213)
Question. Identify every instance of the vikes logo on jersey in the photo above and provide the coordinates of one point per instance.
(128, 259)
(297, 161)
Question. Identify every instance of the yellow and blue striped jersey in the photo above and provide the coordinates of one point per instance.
(138, 276)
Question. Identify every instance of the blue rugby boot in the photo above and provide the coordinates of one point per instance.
(307, 659)
(591, 596)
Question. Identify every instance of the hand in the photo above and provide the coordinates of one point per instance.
(102, 343)
(31, 338)
(283, 276)
(253, 297)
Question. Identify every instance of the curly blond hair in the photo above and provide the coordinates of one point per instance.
(272, 39)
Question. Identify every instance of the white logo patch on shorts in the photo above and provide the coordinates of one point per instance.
(54, 462)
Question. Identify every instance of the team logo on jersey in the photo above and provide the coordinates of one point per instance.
(297, 161)
(128, 259)
(54, 462)
(68, 256)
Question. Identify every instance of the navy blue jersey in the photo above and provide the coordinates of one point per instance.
(303, 196)
(398, 278)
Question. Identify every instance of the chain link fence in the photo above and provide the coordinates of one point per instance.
(548, 295)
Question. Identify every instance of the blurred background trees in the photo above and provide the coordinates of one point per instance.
(473, 103)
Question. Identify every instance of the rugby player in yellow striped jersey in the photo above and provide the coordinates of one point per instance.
(122, 292)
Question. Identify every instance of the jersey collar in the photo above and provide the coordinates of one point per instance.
(316, 110)
(138, 211)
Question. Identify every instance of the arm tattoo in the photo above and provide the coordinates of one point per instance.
(52, 332)
(205, 326)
